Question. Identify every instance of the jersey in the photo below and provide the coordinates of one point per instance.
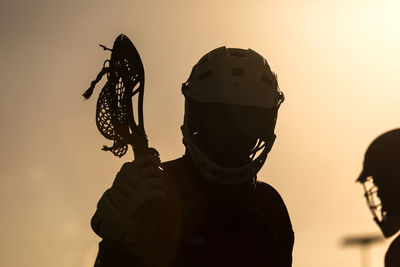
(392, 257)
(205, 224)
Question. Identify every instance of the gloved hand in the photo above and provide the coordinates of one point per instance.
(121, 208)
(137, 184)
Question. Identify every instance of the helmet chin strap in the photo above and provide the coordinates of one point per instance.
(390, 225)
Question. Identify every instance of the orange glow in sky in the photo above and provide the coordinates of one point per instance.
(337, 63)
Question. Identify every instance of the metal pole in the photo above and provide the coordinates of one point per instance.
(365, 259)
(364, 242)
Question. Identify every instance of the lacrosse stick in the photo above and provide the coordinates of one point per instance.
(114, 111)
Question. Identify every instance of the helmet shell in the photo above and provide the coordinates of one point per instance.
(382, 155)
(233, 76)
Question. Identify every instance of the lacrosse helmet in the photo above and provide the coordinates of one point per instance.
(380, 178)
(231, 103)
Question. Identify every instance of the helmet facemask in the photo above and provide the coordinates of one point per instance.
(381, 208)
(230, 135)
(229, 143)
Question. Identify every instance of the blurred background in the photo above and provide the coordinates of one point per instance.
(337, 63)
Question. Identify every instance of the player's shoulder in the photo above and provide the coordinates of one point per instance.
(181, 172)
(181, 167)
(171, 163)
(175, 167)
(267, 192)
(268, 201)
(392, 257)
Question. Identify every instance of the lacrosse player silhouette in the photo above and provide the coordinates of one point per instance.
(206, 208)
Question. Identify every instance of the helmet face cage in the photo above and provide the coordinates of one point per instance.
(230, 135)
(373, 201)
(218, 173)
(221, 174)
(389, 224)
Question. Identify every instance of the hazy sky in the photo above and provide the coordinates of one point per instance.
(337, 63)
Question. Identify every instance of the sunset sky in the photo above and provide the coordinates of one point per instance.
(337, 63)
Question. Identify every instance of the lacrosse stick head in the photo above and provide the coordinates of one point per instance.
(114, 111)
